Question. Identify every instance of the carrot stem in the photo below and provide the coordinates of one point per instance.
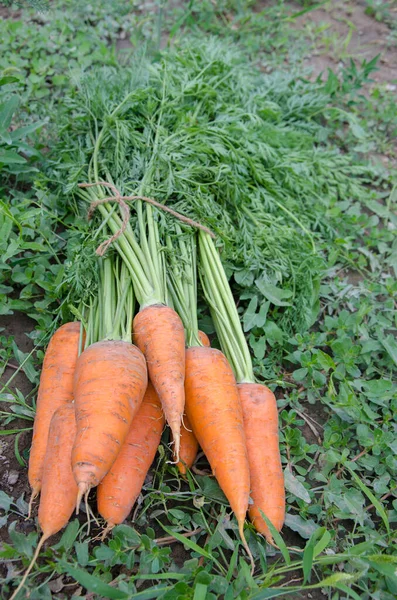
(182, 282)
(128, 248)
(108, 294)
(223, 309)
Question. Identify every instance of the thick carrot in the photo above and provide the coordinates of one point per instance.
(204, 339)
(120, 488)
(59, 489)
(189, 447)
(110, 381)
(55, 390)
(159, 334)
(214, 411)
(267, 481)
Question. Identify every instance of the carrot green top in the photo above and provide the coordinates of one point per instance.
(139, 249)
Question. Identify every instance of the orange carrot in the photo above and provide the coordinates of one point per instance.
(189, 447)
(214, 410)
(120, 488)
(159, 334)
(110, 381)
(55, 390)
(59, 489)
(189, 444)
(204, 339)
(267, 481)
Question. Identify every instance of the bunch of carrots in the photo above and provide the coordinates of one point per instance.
(110, 382)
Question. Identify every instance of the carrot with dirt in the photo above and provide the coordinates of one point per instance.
(55, 390)
(110, 382)
(211, 397)
(159, 334)
(258, 402)
(58, 487)
(214, 411)
(189, 444)
(261, 425)
(118, 491)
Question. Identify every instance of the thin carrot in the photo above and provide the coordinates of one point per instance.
(59, 489)
(159, 334)
(55, 390)
(110, 381)
(120, 488)
(214, 410)
(267, 480)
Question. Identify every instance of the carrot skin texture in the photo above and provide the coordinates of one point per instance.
(110, 382)
(204, 339)
(120, 488)
(189, 447)
(59, 489)
(267, 481)
(159, 334)
(214, 411)
(55, 390)
(189, 444)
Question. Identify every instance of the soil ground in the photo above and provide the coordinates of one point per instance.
(348, 32)
(13, 475)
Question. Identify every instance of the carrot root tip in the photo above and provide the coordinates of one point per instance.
(33, 497)
(177, 446)
(83, 489)
(246, 547)
(88, 511)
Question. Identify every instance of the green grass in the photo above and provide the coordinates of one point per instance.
(331, 356)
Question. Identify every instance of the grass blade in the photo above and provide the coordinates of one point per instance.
(187, 542)
(278, 539)
(308, 560)
(348, 591)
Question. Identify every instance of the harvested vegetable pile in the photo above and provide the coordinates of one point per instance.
(229, 161)
(106, 425)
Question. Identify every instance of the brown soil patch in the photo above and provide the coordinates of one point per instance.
(347, 32)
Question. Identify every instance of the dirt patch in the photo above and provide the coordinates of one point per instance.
(13, 478)
(342, 30)
(18, 326)
(7, 13)
(123, 43)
